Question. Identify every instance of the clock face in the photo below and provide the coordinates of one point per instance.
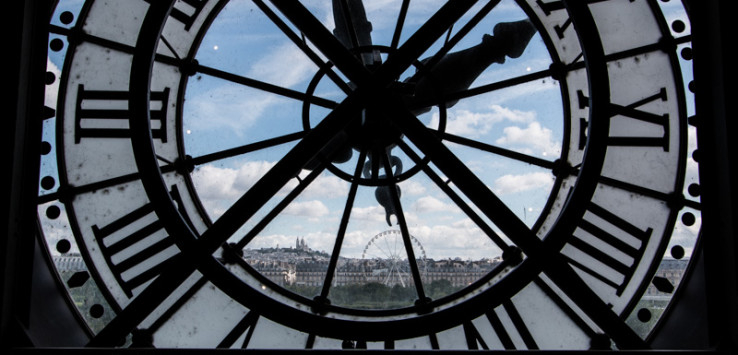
(493, 175)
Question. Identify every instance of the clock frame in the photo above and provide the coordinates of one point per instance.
(591, 184)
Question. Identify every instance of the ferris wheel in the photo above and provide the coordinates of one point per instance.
(386, 262)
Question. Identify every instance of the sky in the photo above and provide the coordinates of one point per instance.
(218, 115)
(504, 118)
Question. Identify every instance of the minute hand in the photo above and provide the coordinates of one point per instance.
(353, 29)
(396, 64)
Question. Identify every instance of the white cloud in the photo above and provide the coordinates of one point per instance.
(476, 124)
(374, 213)
(431, 204)
(285, 66)
(238, 108)
(459, 239)
(219, 187)
(534, 139)
(508, 184)
(313, 209)
(327, 186)
(250, 172)
(234, 108)
(214, 183)
(412, 188)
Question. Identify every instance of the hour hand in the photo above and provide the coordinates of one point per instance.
(457, 71)
(353, 29)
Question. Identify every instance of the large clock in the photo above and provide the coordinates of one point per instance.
(538, 148)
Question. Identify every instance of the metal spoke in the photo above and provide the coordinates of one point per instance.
(288, 167)
(400, 24)
(244, 149)
(469, 184)
(396, 64)
(329, 45)
(422, 39)
(556, 268)
(204, 159)
(455, 197)
(525, 158)
(241, 243)
(342, 226)
(451, 42)
(484, 89)
(395, 198)
(69, 191)
(299, 42)
(266, 87)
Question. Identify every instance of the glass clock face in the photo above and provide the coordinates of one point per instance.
(424, 175)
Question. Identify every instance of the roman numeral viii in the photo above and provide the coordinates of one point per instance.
(104, 114)
(135, 246)
(608, 247)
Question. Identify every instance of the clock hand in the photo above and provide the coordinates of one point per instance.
(387, 73)
(383, 192)
(457, 71)
(198, 251)
(402, 59)
(353, 29)
(518, 232)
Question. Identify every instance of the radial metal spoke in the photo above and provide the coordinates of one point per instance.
(455, 197)
(70, 191)
(556, 268)
(312, 145)
(423, 39)
(259, 227)
(395, 200)
(342, 226)
(484, 89)
(266, 87)
(396, 64)
(244, 149)
(400, 24)
(303, 46)
(328, 44)
(587, 300)
(525, 158)
(469, 184)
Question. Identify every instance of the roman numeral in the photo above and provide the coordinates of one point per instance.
(518, 327)
(105, 114)
(136, 246)
(607, 248)
(632, 111)
(473, 338)
(187, 16)
(548, 8)
(246, 325)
